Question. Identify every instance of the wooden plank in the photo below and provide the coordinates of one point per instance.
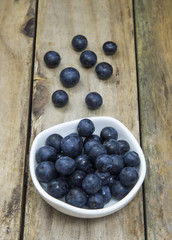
(154, 48)
(16, 41)
(99, 21)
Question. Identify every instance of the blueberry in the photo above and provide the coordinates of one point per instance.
(91, 183)
(79, 43)
(104, 176)
(65, 165)
(69, 77)
(59, 155)
(60, 98)
(76, 197)
(118, 190)
(46, 153)
(57, 188)
(93, 100)
(118, 164)
(106, 193)
(95, 201)
(85, 127)
(94, 137)
(104, 163)
(104, 70)
(128, 176)
(83, 163)
(52, 59)
(89, 144)
(108, 133)
(88, 59)
(109, 48)
(45, 172)
(123, 146)
(112, 146)
(71, 145)
(75, 179)
(131, 159)
(54, 140)
(96, 150)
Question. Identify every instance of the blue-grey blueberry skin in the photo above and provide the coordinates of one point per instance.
(54, 140)
(109, 48)
(60, 98)
(95, 201)
(72, 145)
(69, 77)
(106, 193)
(104, 163)
(88, 58)
(79, 43)
(128, 176)
(46, 153)
(131, 159)
(96, 150)
(112, 146)
(65, 165)
(91, 183)
(45, 172)
(83, 163)
(117, 164)
(108, 133)
(123, 146)
(104, 176)
(104, 70)
(57, 188)
(88, 145)
(118, 190)
(94, 137)
(85, 127)
(76, 197)
(75, 179)
(93, 100)
(52, 59)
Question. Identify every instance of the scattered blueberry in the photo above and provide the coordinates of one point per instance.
(96, 150)
(46, 153)
(83, 163)
(57, 188)
(88, 59)
(93, 100)
(91, 183)
(104, 70)
(60, 98)
(108, 133)
(85, 127)
(118, 190)
(54, 140)
(128, 176)
(65, 165)
(79, 43)
(45, 172)
(52, 59)
(123, 146)
(76, 197)
(131, 159)
(69, 77)
(95, 201)
(104, 163)
(106, 193)
(112, 146)
(109, 48)
(75, 179)
(118, 164)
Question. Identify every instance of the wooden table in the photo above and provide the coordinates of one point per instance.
(139, 94)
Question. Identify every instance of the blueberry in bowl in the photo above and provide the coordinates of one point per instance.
(72, 184)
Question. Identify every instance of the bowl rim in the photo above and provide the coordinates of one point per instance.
(81, 211)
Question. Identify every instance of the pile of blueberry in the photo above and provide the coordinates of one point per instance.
(87, 170)
(70, 76)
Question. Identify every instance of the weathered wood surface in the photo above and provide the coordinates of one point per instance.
(99, 21)
(154, 47)
(16, 41)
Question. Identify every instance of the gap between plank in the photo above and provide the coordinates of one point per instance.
(139, 114)
(25, 177)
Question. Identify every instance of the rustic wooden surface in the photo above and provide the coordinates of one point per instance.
(99, 21)
(154, 47)
(16, 42)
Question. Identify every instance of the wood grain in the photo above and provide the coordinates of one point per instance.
(154, 48)
(58, 22)
(16, 41)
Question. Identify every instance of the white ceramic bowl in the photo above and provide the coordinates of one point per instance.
(65, 129)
